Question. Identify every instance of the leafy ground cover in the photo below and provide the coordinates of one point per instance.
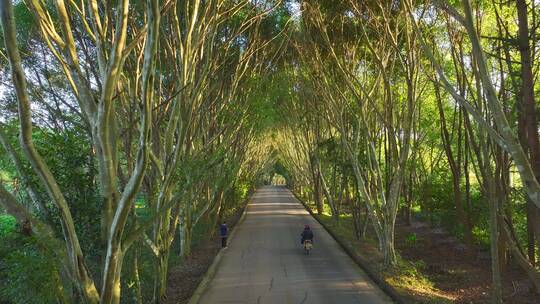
(434, 266)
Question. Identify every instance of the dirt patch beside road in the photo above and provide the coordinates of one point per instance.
(185, 277)
(435, 267)
(445, 261)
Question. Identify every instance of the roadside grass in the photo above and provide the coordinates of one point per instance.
(406, 277)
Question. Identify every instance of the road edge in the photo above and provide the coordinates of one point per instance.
(210, 273)
(358, 260)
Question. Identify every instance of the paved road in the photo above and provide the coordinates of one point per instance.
(266, 264)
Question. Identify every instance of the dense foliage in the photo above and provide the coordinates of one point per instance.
(128, 133)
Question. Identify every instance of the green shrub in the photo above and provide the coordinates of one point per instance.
(7, 224)
(29, 270)
(411, 239)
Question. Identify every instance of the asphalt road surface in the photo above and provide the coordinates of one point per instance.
(265, 262)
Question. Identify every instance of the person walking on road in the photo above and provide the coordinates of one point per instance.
(224, 232)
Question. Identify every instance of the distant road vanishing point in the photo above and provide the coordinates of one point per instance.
(265, 262)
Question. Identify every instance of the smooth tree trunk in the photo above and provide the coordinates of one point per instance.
(455, 168)
(160, 283)
(328, 194)
(528, 119)
(494, 215)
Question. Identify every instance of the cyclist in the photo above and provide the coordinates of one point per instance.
(307, 234)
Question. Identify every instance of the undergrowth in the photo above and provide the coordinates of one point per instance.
(406, 277)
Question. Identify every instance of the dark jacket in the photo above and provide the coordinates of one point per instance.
(223, 230)
(307, 234)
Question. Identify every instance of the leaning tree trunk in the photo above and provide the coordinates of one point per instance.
(518, 255)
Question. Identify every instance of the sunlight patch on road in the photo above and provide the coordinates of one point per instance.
(279, 212)
(274, 205)
(257, 196)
